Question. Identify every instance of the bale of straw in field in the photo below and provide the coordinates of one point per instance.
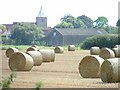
(106, 53)
(117, 52)
(52, 55)
(71, 48)
(110, 70)
(10, 51)
(36, 46)
(117, 46)
(94, 50)
(21, 61)
(37, 57)
(32, 49)
(89, 67)
(59, 49)
(48, 55)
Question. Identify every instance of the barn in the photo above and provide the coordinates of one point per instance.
(69, 36)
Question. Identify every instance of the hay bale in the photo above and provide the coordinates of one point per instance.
(89, 67)
(117, 52)
(32, 49)
(71, 48)
(10, 51)
(21, 61)
(94, 50)
(117, 46)
(106, 53)
(52, 55)
(37, 57)
(59, 49)
(47, 55)
(110, 71)
(36, 46)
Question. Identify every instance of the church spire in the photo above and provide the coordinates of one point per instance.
(41, 14)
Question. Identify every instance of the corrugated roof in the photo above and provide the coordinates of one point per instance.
(80, 31)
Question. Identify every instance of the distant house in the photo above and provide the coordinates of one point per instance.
(70, 36)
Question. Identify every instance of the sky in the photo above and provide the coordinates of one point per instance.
(27, 10)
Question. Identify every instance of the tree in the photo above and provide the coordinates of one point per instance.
(3, 28)
(101, 22)
(86, 20)
(26, 33)
(111, 29)
(79, 24)
(64, 24)
(68, 21)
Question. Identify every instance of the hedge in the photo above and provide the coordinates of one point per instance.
(109, 40)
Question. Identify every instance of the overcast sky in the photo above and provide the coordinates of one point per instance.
(54, 10)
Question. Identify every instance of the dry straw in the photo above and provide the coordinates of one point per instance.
(95, 51)
(32, 49)
(21, 62)
(59, 49)
(110, 71)
(117, 46)
(71, 48)
(117, 52)
(37, 57)
(107, 53)
(10, 51)
(89, 67)
(48, 55)
(36, 46)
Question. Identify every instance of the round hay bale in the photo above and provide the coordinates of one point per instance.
(21, 61)
(117, 46)
(110, 71)
(52, 55)
(117, 52)
(106, 53)
(36, 46)
(37, 57)
(59, 49)
(71, 48)
(10, 51)
(89, 67)
(47, 55)
(32, 49)
(94, 50)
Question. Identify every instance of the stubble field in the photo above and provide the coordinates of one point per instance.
(63, 73)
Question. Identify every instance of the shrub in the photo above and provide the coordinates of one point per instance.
(7, 81)
(38, 85)
(109, 41)
(7, 41)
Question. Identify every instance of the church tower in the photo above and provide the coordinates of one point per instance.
(41, 20)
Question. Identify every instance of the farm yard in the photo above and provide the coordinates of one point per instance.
(62, 73)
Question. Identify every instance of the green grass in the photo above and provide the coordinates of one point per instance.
(24, 47)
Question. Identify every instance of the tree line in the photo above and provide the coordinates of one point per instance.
(83, 22)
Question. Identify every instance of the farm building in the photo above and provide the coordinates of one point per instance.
(70, 36)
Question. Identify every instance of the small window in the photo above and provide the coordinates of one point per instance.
(54, 34)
